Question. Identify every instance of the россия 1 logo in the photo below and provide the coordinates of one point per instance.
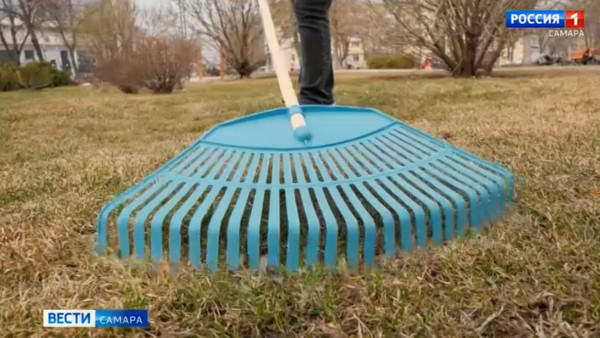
(569, 19)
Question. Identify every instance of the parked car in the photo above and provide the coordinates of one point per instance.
(547, 60)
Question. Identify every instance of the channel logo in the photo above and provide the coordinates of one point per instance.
(95, 318)
(570, 19)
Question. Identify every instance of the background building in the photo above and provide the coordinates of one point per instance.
(50, 41)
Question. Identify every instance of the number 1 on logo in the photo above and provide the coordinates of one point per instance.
(574, 19)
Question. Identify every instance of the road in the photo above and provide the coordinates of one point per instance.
(500, 72)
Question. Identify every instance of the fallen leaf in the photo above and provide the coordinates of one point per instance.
(446, 136)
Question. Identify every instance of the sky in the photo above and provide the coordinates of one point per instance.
(208, 54)
(149, 3)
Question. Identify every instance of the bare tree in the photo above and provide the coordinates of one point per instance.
(234, 27)
(285, 21)
(592, 21)
(347, 20)
(109, 28)
(31, 12)
(543, 37)
(381, 34)
(67, 20)
(163, 20)
(559, 46)
(18, 35)
(467, 35)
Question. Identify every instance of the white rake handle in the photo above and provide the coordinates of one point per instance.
(301, 131)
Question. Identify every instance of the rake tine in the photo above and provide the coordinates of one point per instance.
(156, 249)
(253, 245)
(332, 226)
(176, 222)
(370, 232)
(419, 213)
(140, 219)
(481, 198)
(273, 224)
(312, 242)
(214, 230)
(485, 199)
(214, 226)
(487, 185)
(496, 176)
(212, 243)
(460, 211)
(208, 159)
(419, 225)
(384, 213)
(474, 217)
(124, 218)
(330, 222)
(383, 145)
(195, 227)
(233, 228)
(293, 242)
(435, 212)
(158, 219)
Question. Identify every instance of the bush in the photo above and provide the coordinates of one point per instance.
(122, 72)
(37, 75)
(61, 77)
(166, 62)
(159, 64)
(395, 62)
(34, 75)
(10, 77)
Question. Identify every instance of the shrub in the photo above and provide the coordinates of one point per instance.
(10, 77)
(34, 75)
(60, 77)
(395, 62)
(166, 62)
(37, 75)
(122, 72)
(158, 64)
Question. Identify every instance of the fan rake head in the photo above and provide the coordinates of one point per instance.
(367, 184)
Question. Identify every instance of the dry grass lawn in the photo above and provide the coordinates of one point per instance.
(65, 152)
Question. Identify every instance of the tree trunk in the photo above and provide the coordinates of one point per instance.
(295, 39)
(297, 44)
(36, 44)
(74, 66)
(488, 66)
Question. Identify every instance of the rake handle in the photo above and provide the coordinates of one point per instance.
(301, 131)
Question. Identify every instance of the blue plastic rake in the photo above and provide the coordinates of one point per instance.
(344, 181)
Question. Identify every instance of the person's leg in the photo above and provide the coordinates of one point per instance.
(316, 72)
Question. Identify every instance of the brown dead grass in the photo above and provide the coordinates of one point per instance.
(65, 152)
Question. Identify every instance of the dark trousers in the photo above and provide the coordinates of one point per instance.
(316, 69)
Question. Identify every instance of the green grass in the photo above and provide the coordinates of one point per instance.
(65, 152)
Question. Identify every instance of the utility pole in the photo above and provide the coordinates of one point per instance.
(182, 18)
(199, 69)
(222, 66)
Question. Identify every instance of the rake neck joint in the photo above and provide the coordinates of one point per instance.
(301, 131)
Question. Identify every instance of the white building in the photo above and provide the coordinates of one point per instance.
(287, 53)
(50, 41)
(354, 59)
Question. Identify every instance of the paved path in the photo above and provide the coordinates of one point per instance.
(501, 72)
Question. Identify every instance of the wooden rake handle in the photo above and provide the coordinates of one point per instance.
(301, 131)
